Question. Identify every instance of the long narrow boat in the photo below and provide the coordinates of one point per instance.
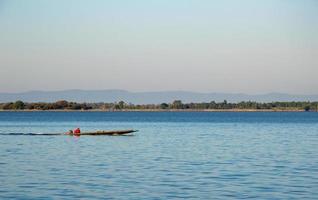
(112, 132)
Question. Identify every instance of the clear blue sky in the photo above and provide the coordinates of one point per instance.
(145, 45)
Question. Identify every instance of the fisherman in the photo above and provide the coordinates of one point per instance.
(77, 131)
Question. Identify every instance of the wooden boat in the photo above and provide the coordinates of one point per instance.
(112, 132)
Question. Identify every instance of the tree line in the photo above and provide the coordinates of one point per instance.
(175, 105)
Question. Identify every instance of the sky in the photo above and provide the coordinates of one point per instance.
(228, 46)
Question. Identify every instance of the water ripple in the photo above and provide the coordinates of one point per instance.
(182, 157)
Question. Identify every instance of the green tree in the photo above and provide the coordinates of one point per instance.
(8, 106)
(164, 106)
(60, 104)
(121, 104)
(177, 104)
(117, 107)
(307, 108)
(18, 105)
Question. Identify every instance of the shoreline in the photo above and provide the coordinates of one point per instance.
(164, 110)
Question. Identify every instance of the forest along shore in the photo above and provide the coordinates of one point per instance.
(175, 106)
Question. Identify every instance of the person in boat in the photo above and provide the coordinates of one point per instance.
(77, 131)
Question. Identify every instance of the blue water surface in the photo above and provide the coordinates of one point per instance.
(175, 155)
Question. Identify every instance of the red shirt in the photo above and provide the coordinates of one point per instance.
(77, 131)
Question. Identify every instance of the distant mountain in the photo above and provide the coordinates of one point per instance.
(147, 97)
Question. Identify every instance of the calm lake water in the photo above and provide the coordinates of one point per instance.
(175, 155)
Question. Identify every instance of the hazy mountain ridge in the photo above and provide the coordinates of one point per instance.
(147, 97)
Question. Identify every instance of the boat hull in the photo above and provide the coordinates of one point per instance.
(112, 132)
